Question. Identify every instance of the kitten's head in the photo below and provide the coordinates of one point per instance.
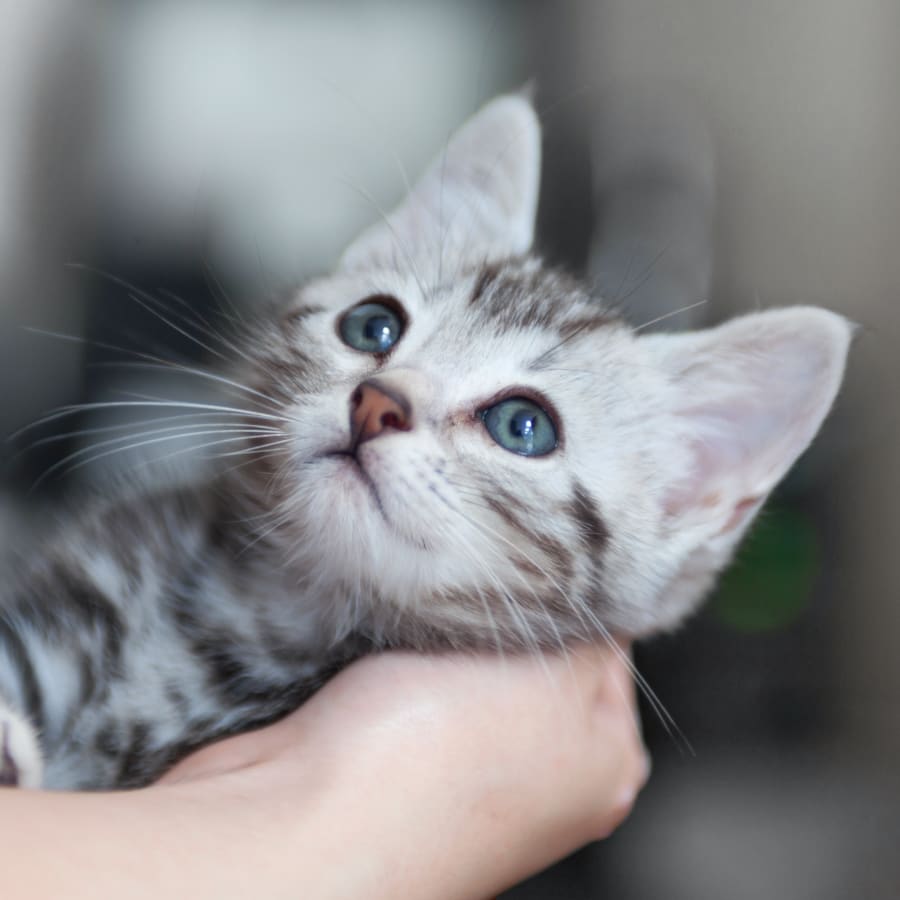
(479, 452)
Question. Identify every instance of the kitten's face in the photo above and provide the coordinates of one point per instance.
(440, 515)
(478, 453)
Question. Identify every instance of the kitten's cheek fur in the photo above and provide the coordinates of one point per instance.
(20, 756)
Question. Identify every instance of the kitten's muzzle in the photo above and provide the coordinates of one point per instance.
(375, 409)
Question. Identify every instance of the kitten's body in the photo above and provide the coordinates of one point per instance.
(377, 507)
(140, 636)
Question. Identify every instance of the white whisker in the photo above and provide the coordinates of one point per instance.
(668, 315)
(239, 433)
(74, 408)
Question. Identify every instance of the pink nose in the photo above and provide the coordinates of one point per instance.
(374, 409)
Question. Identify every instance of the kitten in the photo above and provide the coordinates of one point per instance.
(447, 445)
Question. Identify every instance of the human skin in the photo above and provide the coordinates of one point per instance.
(406, 776)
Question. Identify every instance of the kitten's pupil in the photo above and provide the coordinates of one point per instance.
(521, 426)
(372, 326)
(380, 330)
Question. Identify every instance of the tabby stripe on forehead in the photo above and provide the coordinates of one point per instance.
(487, 277)
(568, 331)
(584, 324)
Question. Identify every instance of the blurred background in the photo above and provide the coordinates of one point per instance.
(702, 158)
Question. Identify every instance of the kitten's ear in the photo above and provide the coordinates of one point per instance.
(476, 201)
(750, 395)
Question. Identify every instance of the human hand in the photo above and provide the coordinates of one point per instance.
(440, 776)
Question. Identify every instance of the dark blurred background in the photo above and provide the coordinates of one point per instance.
(702, 158)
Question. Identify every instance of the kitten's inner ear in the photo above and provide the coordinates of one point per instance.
(477, 201)
(749, 397)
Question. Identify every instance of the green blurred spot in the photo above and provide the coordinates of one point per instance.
(770, 583)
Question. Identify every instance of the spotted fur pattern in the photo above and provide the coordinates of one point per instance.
(157, 621)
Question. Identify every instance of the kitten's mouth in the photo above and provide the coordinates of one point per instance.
(351, 461)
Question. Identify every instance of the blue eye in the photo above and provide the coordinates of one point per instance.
(521, 426)
(372, 327)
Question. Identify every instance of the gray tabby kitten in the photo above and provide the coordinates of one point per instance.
(449, 445)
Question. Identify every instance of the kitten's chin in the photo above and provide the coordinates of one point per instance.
(356, 500)
(341, 532)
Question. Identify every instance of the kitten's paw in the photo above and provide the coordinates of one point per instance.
(20, 755)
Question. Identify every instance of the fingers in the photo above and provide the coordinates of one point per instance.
(521, 761)
(585, 731)
(555, 733)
